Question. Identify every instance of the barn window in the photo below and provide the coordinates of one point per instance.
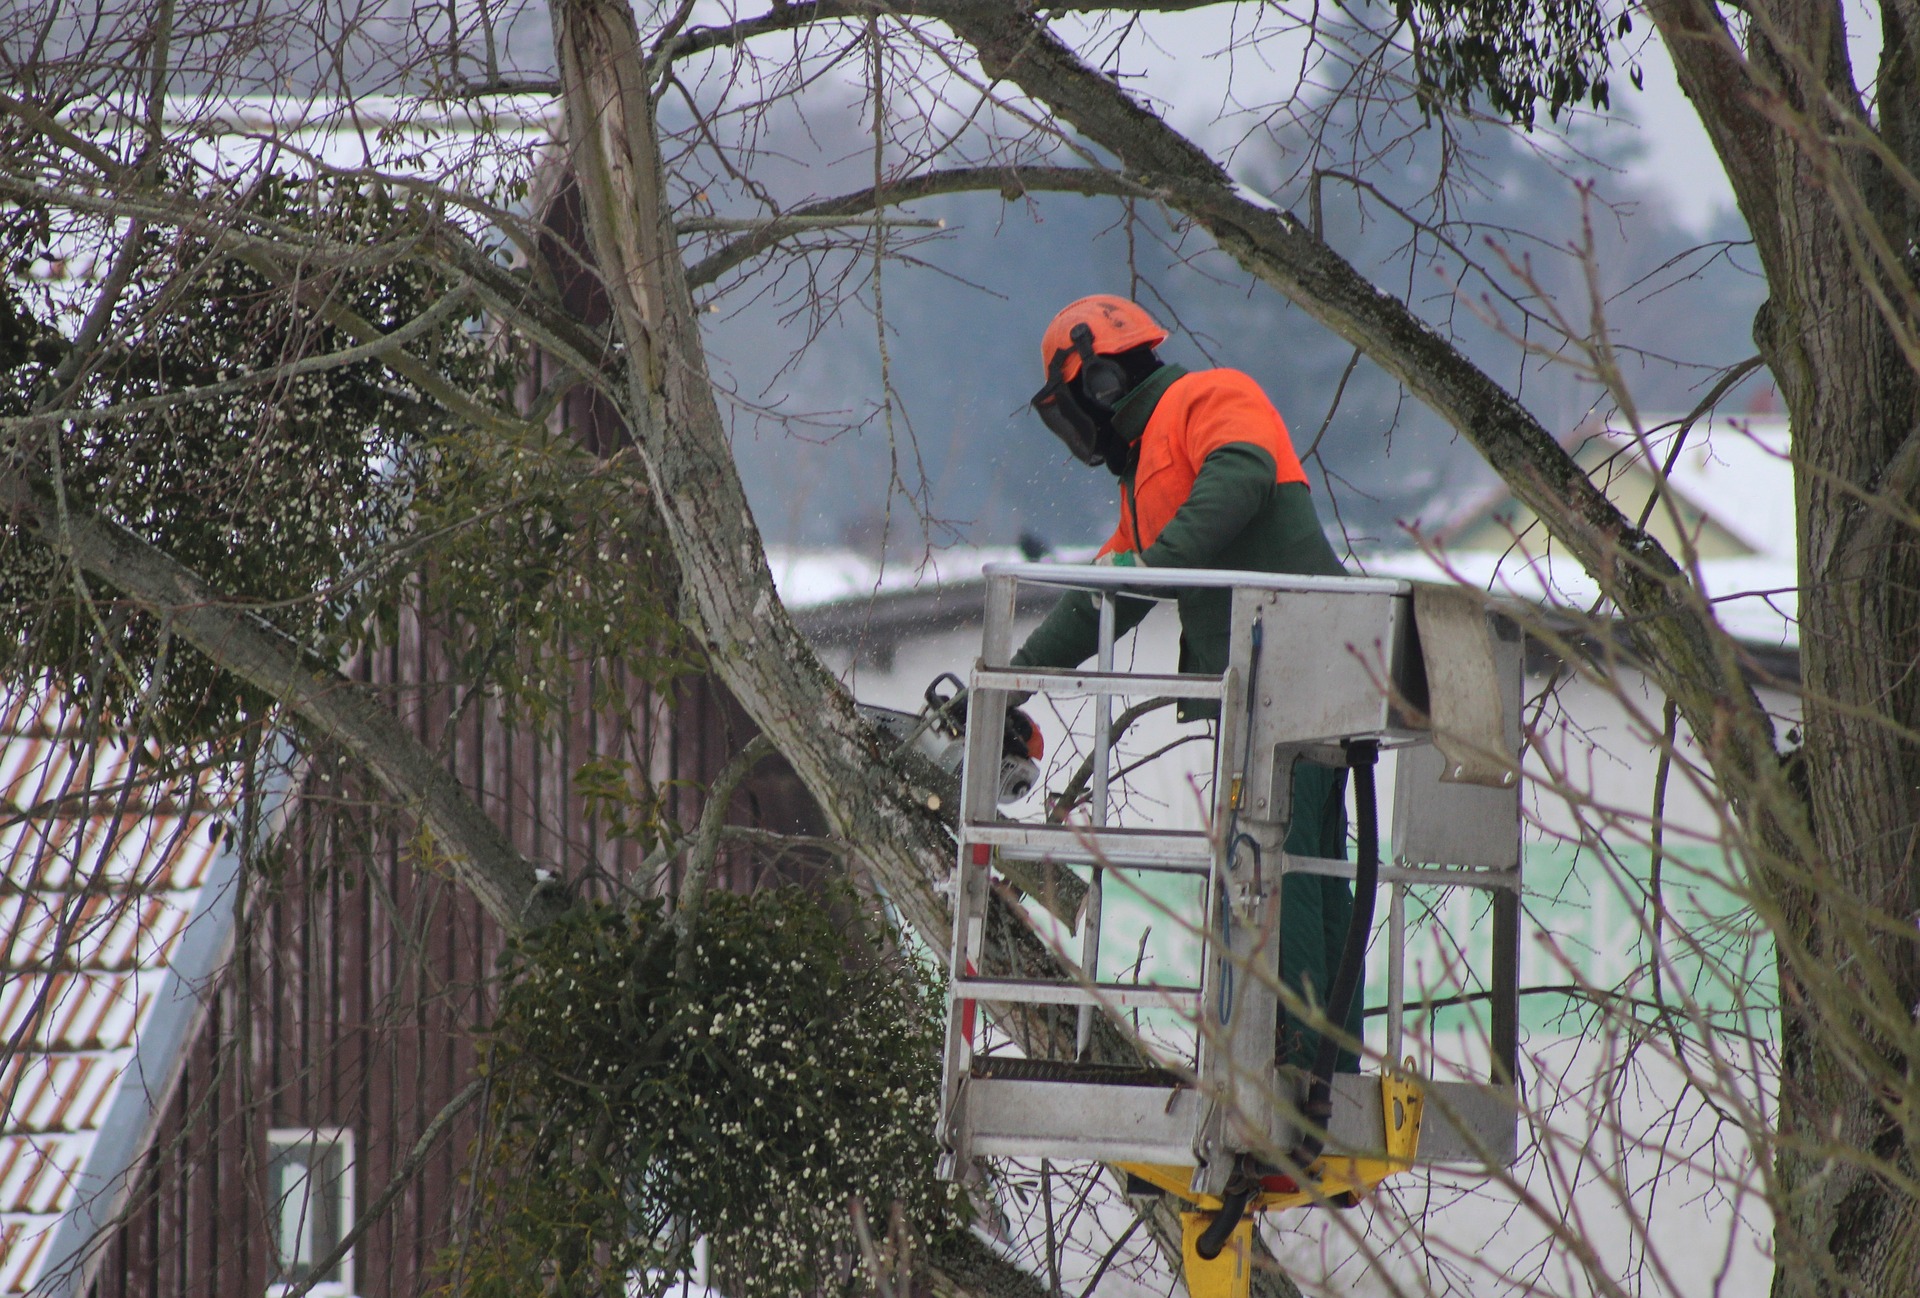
(310, 1207)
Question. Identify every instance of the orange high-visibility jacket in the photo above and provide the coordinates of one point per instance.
(1197, 415)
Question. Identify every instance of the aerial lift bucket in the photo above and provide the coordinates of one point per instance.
(1321, 669)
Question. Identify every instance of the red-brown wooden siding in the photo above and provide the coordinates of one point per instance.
(359, 977)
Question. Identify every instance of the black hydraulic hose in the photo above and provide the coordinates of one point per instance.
(1233, 1206)
(1361, 756)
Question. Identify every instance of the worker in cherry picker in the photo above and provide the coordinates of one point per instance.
(1208, 478)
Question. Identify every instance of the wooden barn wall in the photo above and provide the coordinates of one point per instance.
(359, 975)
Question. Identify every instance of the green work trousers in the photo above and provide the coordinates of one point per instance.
(1314, 913)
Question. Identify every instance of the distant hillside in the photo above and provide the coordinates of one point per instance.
(966, 307)
(964, 320)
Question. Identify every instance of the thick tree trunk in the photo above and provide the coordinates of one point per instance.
(1787, 120)
(752, 642)
(670, 409)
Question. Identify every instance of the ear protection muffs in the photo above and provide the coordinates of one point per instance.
(1103, 380)
(1064, 405)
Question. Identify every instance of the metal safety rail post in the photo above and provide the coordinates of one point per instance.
(1343, 657)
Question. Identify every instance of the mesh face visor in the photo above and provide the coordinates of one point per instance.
(1064, 414)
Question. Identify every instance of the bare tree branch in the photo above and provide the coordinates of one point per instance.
(706, 839)
(505, 882)
(402, 1177)
(1010, 181)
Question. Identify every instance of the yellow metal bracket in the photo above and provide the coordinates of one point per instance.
(1401, 1103)
(1330, 1179)
(1230, 1275)
(1341, 1179)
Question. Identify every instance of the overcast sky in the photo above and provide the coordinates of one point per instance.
(1678, 160)
(1175, 61)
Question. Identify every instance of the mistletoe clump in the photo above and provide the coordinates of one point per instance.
(1514, 55)
(743, 1077)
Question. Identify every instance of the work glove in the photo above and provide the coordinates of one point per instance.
(1124, 559)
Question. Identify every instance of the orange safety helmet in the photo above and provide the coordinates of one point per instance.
(1076, 347)
(1117, 326)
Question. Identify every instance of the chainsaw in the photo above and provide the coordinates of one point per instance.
(939, 733)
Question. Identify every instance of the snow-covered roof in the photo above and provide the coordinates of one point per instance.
(1740, 471)
(1734, 475)
(812, 578)
(115, 908)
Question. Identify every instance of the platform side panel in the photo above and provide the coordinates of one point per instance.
(1441, 823)
(1071, 1120)
(1325, 660)
(1463, 1123)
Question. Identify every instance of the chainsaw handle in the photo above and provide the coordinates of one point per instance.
(938, 701)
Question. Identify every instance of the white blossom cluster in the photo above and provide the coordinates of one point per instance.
(793, 1070)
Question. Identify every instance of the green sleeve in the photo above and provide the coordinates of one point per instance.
(1070, 634)
(1232, 486)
